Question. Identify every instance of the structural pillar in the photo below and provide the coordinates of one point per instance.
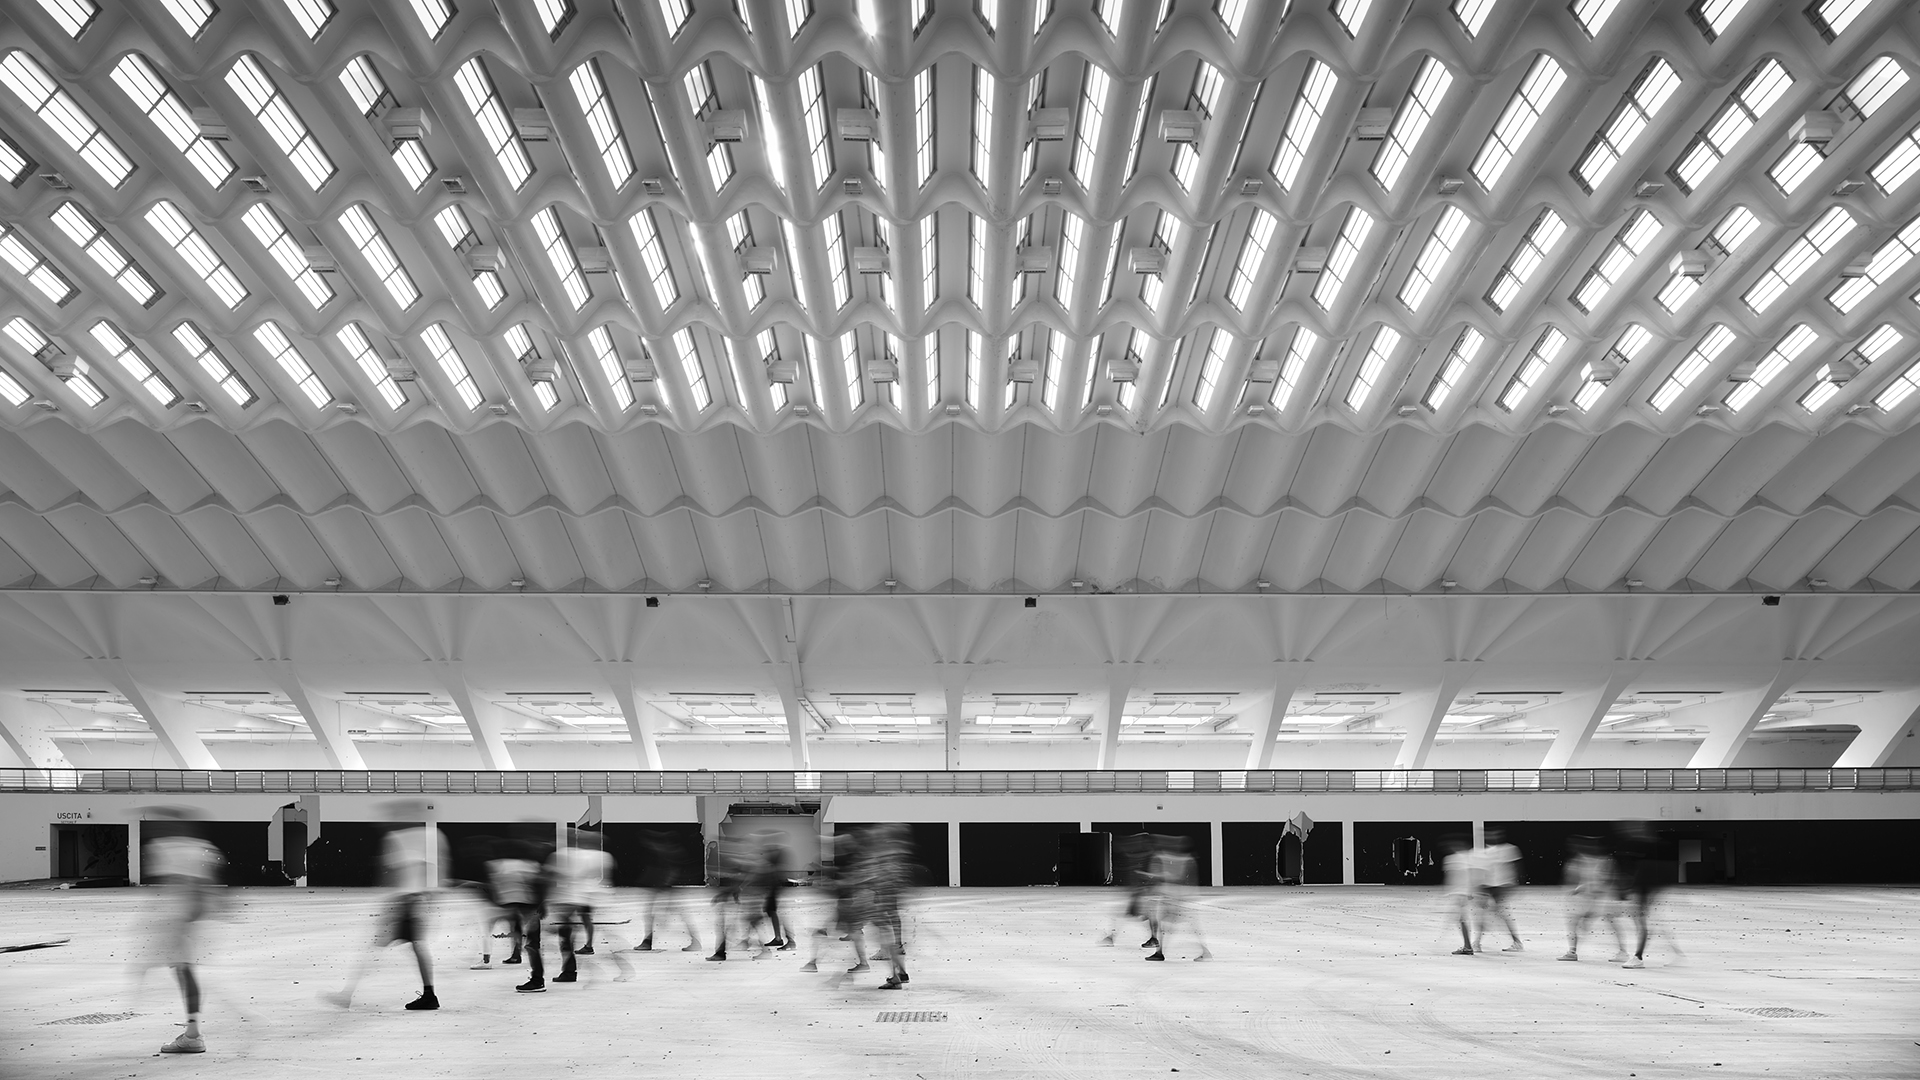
(485, 728)
(1884, 722)
(1423, 726)
(1270, 712)
(1729, 732)
(1577, 730)
(28, 739)
(1219, 868)
(953, 853)
(328, 731)
(953, 681)
(1112, 706)
(638, 714)
(1346, 852)
(176, 735)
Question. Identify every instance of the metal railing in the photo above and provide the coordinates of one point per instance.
(1000, 782)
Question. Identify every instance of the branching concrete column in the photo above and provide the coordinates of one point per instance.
(1583, 715)
(26, 736)
(1739, 715)
(1884, 721)
(176, 733)
(484, 726)
(327, 729)
(638, 715)
(1113, 703)
(789, 682)
(1424, 725)
(1269, 711)
(953, 680)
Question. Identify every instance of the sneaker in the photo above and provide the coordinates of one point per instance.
(1150, 943)
(810, 966)
(514, 959)
(533, 986)
(644, 946)
(692, 947)
(1515, 947)
(1569, 955)
(857, 968)
(586, 950)
(721, 955)
(1618, 958)
(1205, 954)
(423, 1003)
(776, 943)
(1463, 950)
(1156, 955)
(1636, 962)
(903, 977)
(890, 984)
(787, 946)
(567, 976)
(481, 966)
(185, 1044)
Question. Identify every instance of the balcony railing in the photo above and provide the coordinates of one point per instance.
(1004, 782)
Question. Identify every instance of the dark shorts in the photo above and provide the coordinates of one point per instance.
(404, 920)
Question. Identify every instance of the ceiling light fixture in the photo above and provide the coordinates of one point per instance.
(517, 583)
(1634, 583)
(703, 584)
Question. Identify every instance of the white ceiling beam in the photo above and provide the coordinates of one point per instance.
(1586, 710)
(177, 734)
(639, 715)
(1269, 710)
(1884, 722)
(328, 731)
(953, 684)
(788, 681)
(27, 738)
(1734, 716)
(1426, 724)
(483, 725)
(1110, 703)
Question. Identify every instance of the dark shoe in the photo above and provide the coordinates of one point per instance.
(776, 943)
(720, 955)
(810, 966)
(787, 945)
(423, 1003)
(1463, 951)
(903, 977)
(644, 946)
(857, 968)
(1150, 943)
(691, 946)
(514, 959)
(533, 986)
(1156, 955)
(569, 975)
(584, 951)
(890, 984)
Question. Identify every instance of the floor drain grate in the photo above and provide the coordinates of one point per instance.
(92, 1018)
(1780, 1013)
(911, 1018)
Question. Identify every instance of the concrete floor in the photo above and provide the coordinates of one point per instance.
(1323, 982)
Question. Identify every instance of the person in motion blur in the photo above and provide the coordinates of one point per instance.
(189, 869)
(1591, 894)
(1643, 875)
(657, 877)
(578, 880)
(1499, 873)
(1175, 874)
(413, 864)
(1130, 857)
(1462, 878)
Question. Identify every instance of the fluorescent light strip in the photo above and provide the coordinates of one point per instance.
(1430, 85)
(216, 366)
(1642, 102)
(379, 255)
(135, 365)
(164, 108)
(354, 340)
(1797, 341)
(452, 365)
(1453, 368)
(292, 257)
(1440, 246)
(483, 103)
(1629, 244)
(1819, 239)
(1694, 365)
(1757, 93)
(1517, 120)
(106, 253)
(1546, 348)
(31, 84)
(1527, 258)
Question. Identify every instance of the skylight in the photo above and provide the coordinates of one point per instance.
(1341, 257)
(798, 12)
(653, 255)
(1819, 239)
(36, 344)
(1899, 164)
(1112, 271)
(1827, 383)
(452, 365)
(1741, 114)
(173, 227)
(1832, 17)
(923, 142)
(273, 339)
(837, 268)
(691, 369)
(1454, 368)
(1137, 138)
(976, 348)
(30, 264)
(1727, 237)
(1714, 16)
(1253, 256)
(850, 367)
(981, 160)
(1053, 359)
(929, 261)
(1204, 98)
(1086, 133)
(1351, 14)
(135, 365)
(1072, 231)
(519, 341)
(105, 252)
(1440, 246)
(1886, 262)
(269, 106)
(379, 254)
(1211, 369)
(813, 111)
(1641, 103)
(354, 340)
(31, 84)
(1694, 365)
(1797, 341)
(152, 96)
(369, 91)
(14, 163)
(560, 255)
(292, 257)
(1517, 120)
(1593, 14)
(591, 92)
(15, 394)
(312, 15)
(1854, 105)
(600, 340)
(457, 231)
(676, 14)
(1534, 247)
(1629, 244)
(1232, 14)
(1472, 14)
(74, 16)
(791, 239)
(192, 15)
(976, 261)
(1899, 390)
(1385, 340)
(484, 104)
(876, 147)
(1410, 121)
(434, 15)
(1311, 104)
(215, 365)
(1546, 348)
(1593, 383)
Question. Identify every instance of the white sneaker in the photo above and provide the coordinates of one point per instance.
(1634, 963)
(185, 1044)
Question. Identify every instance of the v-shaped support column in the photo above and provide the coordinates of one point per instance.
(1728, 732)
(1424, 725)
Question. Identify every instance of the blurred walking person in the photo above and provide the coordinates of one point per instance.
(657, 877)
(1462, 872)
(413, 864)
(1175, 874)
(1130, 857)
(188, 868)
(578, 881)
(1592, 888)
(1499, 873)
